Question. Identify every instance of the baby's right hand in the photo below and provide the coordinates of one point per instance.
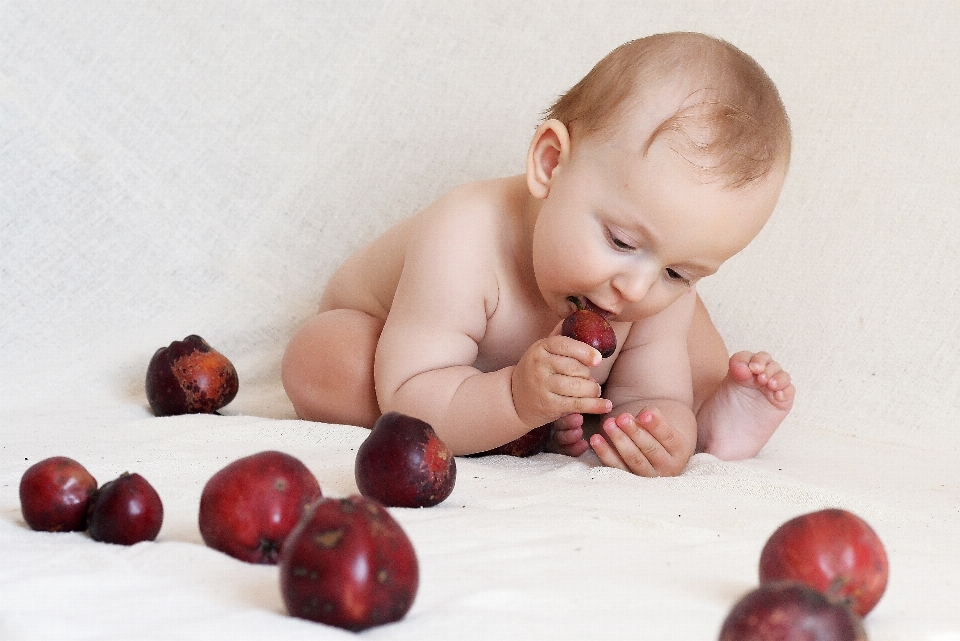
(553, 379)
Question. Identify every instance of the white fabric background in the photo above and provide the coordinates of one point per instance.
(202, 167)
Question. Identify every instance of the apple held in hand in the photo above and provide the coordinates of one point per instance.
(348, 564)
(248, 508)
(126, 510)
(790, 611)
(402, 463)
(190, 377)
(54, 495)
(588, 326)
(833, 551)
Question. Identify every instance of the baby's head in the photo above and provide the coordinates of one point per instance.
(730, 126)
(662, 163)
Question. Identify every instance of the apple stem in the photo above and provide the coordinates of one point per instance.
(269, 550)
(576, 301)
(834, 591)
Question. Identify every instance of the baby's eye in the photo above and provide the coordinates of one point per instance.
(619, 243)
(673, 274)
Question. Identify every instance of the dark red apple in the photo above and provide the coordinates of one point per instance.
(529, 444)
(248, 508)
(588, 326)
(126, 510)
(190, 377)
(54, 494)
(402, 463)
(348, 564)
(833, 551)
(790, 611)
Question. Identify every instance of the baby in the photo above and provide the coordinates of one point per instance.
(662, 163)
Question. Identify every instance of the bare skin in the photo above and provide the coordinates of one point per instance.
(453, 315)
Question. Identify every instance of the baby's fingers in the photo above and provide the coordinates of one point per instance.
(645, 445)
(629, 448)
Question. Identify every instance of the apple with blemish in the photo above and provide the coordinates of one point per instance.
(348, 563)
(833, 551)
(190, 377)
(403, 463)
(248, 508)
(590, 327)
(55, 493)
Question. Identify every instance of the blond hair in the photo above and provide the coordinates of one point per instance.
(733, 126)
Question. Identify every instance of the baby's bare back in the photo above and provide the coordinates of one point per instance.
(481, 220)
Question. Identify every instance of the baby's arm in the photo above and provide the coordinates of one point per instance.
(652, 430)
(424, 360)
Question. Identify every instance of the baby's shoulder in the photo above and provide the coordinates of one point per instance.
(476, 214)
(485, 202)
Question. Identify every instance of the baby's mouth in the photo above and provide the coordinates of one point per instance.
(588, 304)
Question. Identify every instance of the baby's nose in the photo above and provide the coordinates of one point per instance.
(633, 285)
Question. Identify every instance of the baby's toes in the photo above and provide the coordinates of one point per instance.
(759, 363)
(567, 437)
(771, 370)
(740, 368)
(780, 391)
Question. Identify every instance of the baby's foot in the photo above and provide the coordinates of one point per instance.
(747, 408)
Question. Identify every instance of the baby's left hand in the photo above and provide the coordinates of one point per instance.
(646, 445)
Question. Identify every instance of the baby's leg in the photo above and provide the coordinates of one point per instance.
(327, 369)
(739, 401)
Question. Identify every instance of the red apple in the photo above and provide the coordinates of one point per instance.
(348, 564)
(190, 377)
(833, 551)
(588, 326)
(529, 444)
(126, 510)
(402, 463)
(248, 508)
(54, 494)
(790, 611)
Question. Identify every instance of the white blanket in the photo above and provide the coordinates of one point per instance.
(177, 168)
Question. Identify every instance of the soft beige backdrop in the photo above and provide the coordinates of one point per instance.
(202, 167)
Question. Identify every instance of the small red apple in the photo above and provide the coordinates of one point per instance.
(54, 495)
(402, 463)
(126, 510)
(529, 444)
(248, 508)
(790, 611)
(833, 551)
(588, 326)
(348, 564)
(190, 377)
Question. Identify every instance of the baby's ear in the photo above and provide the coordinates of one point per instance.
(549, 149)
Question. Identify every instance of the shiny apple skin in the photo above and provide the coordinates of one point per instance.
(833, 551)
(249, 507)
(55, 493)
(591, 328)
(403, 463)
(790, 611)
(126, 511)
(190, 377)
(349, 564)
